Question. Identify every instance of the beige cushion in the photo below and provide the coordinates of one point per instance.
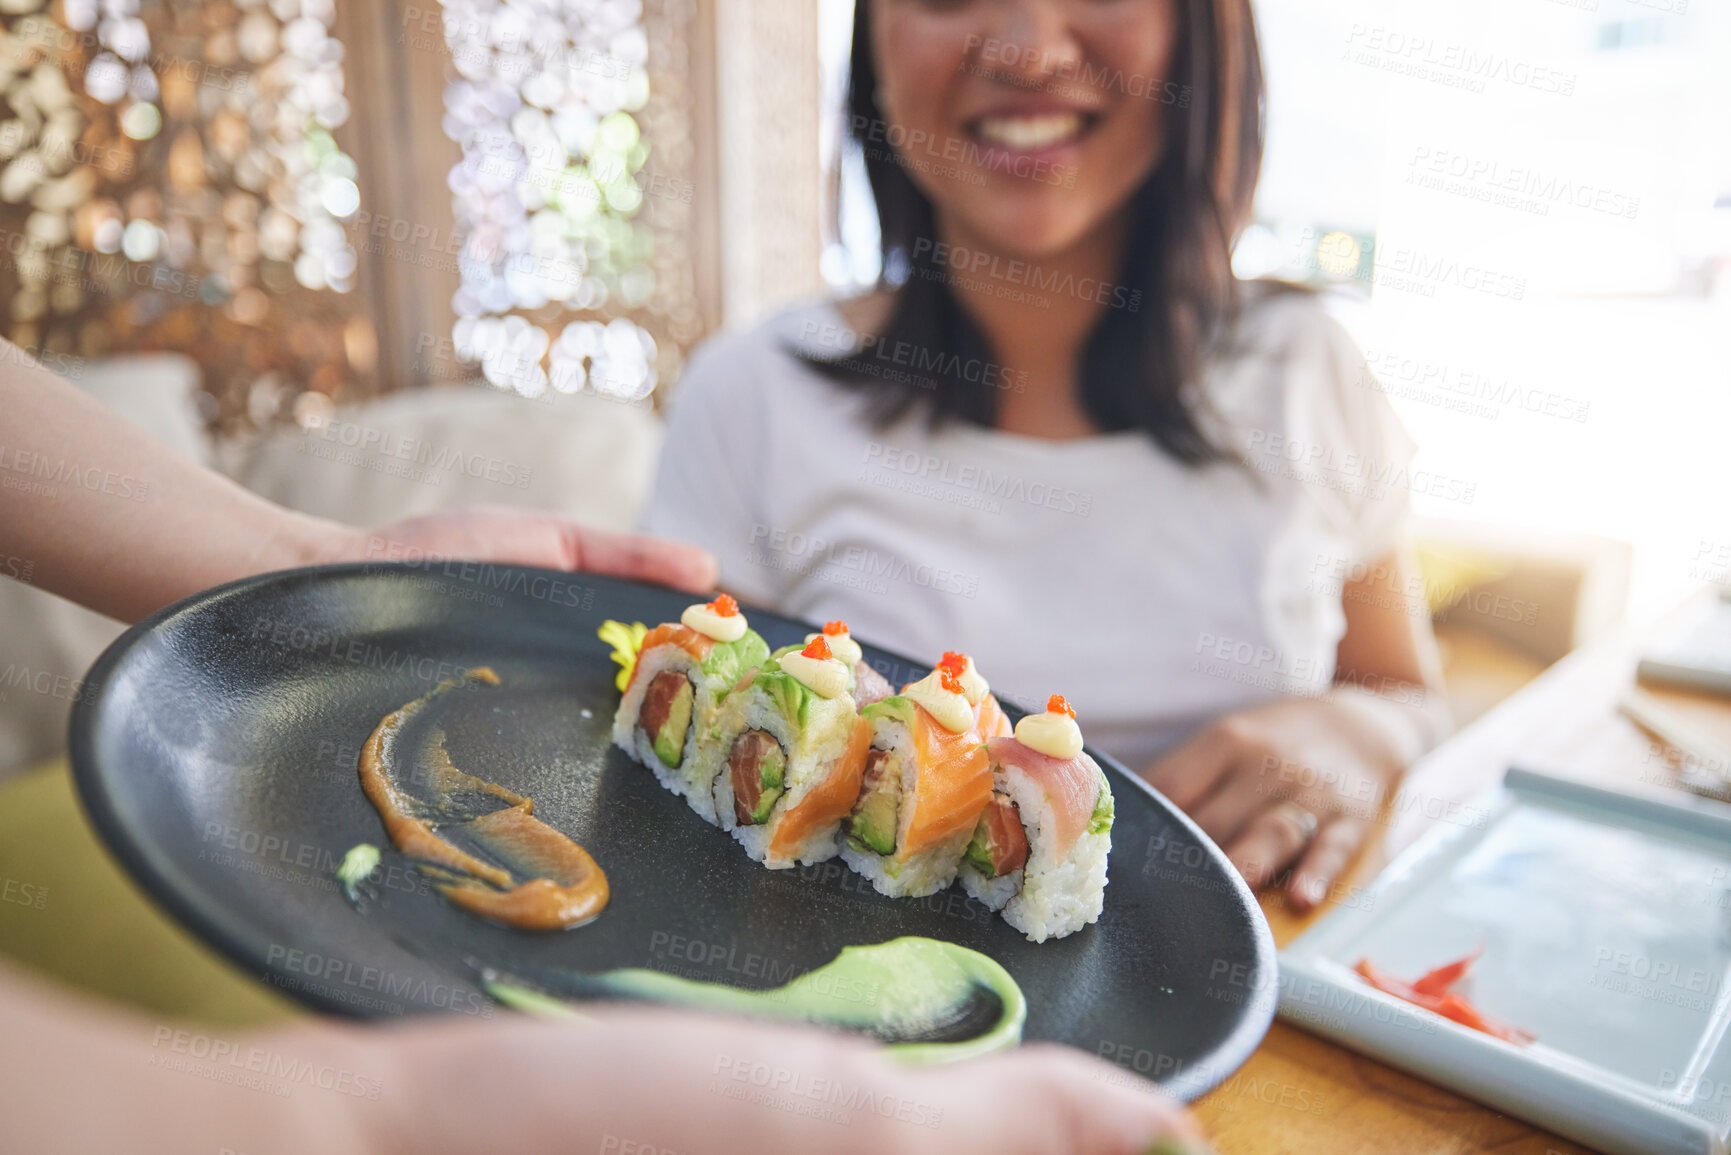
(427, 449)
(46, 644)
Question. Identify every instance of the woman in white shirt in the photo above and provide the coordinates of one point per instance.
(1063, 438)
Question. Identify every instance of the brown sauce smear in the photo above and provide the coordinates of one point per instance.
(568, 886)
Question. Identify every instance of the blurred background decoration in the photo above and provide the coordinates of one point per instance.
(171, 181)
(381, 257)
(189, 177)
(547, 103)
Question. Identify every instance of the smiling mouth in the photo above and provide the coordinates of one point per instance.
(1032, 133)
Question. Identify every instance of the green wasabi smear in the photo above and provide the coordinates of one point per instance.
(357, 866)
(1101, 820)
(930, 1001)
(534, 1002)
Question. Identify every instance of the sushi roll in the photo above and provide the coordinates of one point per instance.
(1038, 852)
(989, 717)
(674, 692)
(926, 781)
(867, 685)
(791, 749)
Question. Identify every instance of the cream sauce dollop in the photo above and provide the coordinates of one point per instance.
(951, 710)
(841, 645)
(974, 687)
(1052, 734)
(712, 625)
(825, 677)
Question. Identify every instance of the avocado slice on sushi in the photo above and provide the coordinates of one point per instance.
(758, 766)
(1000, 844)
(771, 774)
(872, 825)
(666, 715)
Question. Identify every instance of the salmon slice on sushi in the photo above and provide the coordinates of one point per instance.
(925, 784)
(674, 692)
(791, 750)
(1038, 853)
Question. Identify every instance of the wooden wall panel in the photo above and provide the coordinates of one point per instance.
(395, 71)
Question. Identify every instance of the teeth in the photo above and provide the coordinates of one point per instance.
(1027, 133)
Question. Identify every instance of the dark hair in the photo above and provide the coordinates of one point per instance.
(1176, 290)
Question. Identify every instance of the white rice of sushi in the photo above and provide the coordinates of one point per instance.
(992, 893)
(811, 751)
(691, 779)
(1050, 897)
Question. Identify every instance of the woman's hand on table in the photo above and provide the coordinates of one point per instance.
(1291, 789)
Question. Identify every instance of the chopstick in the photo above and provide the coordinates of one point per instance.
(1704, 765)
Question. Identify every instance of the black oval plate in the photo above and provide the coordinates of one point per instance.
(217, 757)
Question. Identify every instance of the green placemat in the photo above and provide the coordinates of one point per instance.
(67, 911)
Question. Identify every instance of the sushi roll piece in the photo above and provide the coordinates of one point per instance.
(791, 752)
(989, 717)
(674, 693)
(926, 782)
(867, 685)
(1038, 853)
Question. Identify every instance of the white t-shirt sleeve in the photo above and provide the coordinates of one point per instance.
(1339, 417)
(703, 486)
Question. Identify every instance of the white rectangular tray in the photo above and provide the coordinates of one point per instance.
(1605, 918)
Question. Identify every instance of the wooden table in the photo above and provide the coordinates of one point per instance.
(1299, 1094)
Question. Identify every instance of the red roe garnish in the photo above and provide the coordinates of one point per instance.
(817, 648)
(834, 628)
(954, 662)
(949, 679)
(1057, 705)
(724, 606)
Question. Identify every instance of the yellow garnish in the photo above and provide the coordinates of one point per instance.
(626, 640)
